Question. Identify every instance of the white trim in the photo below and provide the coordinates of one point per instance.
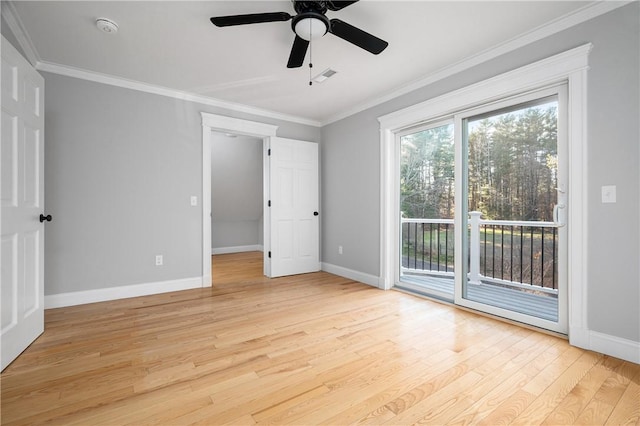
(570, 66)
(614, 346)
(122, 292)
(206, 204)
(369, 279)
(266, 196)
(236, 249)
(16, 26)
(586, 13)
(578, 208)
(224, 124)
(536, 75)
(165, 91)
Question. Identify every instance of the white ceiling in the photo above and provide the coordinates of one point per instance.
(173, 45)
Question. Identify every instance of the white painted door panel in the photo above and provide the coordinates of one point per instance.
(294, 211)
(22, 201)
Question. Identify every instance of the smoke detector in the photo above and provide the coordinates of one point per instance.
(107, 25)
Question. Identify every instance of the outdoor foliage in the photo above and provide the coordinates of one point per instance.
(512, 167)
(512, 175)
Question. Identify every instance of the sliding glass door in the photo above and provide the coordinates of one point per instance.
(513, 208)
(427, 202)
(483, 207)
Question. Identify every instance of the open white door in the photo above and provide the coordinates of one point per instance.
(293, 212)
(22, 195)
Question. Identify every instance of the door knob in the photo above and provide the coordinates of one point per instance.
(47, 218)
(316, 213)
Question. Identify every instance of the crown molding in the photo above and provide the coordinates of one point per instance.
(12, 19)
(164, 91)
(579, 16)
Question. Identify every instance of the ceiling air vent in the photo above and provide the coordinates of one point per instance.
(324, 75)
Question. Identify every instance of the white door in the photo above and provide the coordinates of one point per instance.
(293, 211)
(22, 195)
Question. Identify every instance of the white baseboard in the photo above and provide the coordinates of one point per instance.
(607, 344)
(236, 249)
(372, 280)
(615, 346)
(123, 292)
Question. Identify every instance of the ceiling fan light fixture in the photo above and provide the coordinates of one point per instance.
(310, 28)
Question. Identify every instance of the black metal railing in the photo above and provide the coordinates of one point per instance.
(524, 254)
(508, 252)
(427, 244)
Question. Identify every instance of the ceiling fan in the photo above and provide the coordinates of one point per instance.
(310, 22)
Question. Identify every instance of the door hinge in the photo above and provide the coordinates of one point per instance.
(269, 203)
(269, 255)
(269, 151)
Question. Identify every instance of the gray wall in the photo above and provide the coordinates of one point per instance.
(351, 166)
(236, 191)
(120, 167)
(11, 38)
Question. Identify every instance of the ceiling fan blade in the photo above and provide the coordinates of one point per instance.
(337, 5)
(358, 37)
(298, 52)
(252, 18)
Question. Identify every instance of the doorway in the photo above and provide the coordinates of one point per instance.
(226, 125)
(237, 212)
(290, 197)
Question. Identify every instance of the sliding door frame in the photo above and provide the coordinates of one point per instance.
(559, 91)
(568, 67)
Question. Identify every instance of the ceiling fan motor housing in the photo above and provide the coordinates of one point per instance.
(310, 6)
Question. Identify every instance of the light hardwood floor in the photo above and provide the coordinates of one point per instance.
(308, 349)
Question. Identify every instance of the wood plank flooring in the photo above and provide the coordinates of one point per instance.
(308, 349)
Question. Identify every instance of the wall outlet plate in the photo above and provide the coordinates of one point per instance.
(609, 194)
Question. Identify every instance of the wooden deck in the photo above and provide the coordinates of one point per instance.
(537, 305)
(304, 350)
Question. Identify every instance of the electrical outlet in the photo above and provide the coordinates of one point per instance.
(159, 260)
(194, 200)
(609, 194)
(339, 249)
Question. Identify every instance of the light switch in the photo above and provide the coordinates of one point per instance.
(609, 194)
(194, 200)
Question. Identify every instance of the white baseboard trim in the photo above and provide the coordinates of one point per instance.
(372, 280)
(123, 292)
(607, 344)
(615, 346)
(236, 249)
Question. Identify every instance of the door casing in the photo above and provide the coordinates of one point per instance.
(224, 124)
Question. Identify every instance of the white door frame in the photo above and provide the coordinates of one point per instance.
(224, 124)
(570, 66)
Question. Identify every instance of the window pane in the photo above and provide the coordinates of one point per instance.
(427, 173)
(513, 162)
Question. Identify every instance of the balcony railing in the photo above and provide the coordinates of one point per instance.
(509, 253)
